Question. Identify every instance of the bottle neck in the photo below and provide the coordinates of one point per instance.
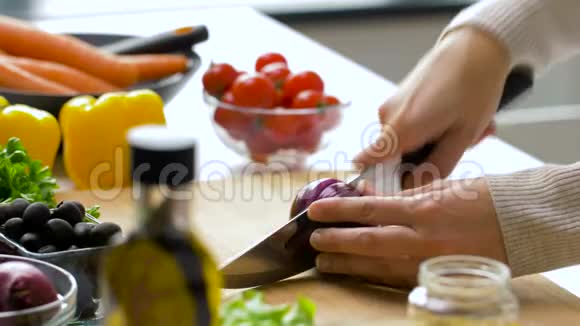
(160, 206)
(466, 279)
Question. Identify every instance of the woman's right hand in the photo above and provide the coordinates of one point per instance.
(450, 98)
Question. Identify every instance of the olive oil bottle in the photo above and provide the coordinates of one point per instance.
(161, 275)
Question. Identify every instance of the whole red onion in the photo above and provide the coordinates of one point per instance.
(22, 286)
(323, 188)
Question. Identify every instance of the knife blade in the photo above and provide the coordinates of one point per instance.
(287, 251)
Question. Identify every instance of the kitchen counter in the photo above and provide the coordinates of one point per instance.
(238, 36)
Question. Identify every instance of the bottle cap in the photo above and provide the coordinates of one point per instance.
(160, 155)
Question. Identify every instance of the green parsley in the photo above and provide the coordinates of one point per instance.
(22, 177)
(249, 309)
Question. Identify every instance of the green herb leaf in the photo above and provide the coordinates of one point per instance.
(22, 177)
(249, 309)
(94, 211)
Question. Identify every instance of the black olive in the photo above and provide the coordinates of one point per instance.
(69, 212)
(82, 234)
(13, 228)
(88, 308)
(80, 207)
(59, 232)
(18, 206)
(102, 233)
(4, 213)
(76, 203)
(35, 216)
(31, 241)
(47, 249)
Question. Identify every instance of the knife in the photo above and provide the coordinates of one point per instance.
(287, 251)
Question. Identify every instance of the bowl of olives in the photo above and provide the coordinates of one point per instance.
(66, 236)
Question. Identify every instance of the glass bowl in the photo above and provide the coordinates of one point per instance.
(82, 263)
(281, 135)
(58, 312)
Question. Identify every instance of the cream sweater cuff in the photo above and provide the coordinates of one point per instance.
(537, 33)
(539, 215)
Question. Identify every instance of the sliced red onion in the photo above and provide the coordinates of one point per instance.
(339, 189)
(323, 188)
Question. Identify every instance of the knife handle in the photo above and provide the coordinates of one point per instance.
(517, 83)
(178, 40)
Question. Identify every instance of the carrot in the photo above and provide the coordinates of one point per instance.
(64, 75)
(156, 66)
(21, 39)
(13, 77)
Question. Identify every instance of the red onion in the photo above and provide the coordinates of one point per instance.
(323, 188)
(24, 286)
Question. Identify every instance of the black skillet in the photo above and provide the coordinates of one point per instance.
(177, 41)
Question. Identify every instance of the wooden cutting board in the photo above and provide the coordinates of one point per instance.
(231, 214)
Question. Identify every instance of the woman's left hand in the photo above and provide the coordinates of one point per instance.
(443, 218)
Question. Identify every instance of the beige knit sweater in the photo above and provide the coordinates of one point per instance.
(538, 209)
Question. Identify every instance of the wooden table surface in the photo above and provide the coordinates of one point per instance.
(231, 214)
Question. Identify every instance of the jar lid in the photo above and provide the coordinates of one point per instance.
(160, 155)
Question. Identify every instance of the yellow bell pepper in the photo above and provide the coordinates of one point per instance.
(38, 130)
(3, 102)
(95, 150)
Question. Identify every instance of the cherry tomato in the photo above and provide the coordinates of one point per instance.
(308, 99)
(330, 100)
(307, 80)
(260, 147)
(309, 141)
(268, 58)
(279, 102)
(278, 72)
(330, 117)
(281, 129)
(218, 78)
(254, 91)
(237, 124)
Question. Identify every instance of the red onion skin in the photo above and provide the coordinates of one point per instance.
(339, 189)
(24, 286)
(323, 188)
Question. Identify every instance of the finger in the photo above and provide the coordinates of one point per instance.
(369, 210)
(386, 241)
(398, 272)
(366, 188)
(440, 162)
(385, 146)
(490, 130)
(390, 107)
(428, 189)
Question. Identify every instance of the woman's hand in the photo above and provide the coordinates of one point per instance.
(450, 98)
(445, 217)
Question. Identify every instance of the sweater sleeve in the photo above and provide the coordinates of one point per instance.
(537, 33)
(539, 215)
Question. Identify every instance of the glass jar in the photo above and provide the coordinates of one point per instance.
(463, 290)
